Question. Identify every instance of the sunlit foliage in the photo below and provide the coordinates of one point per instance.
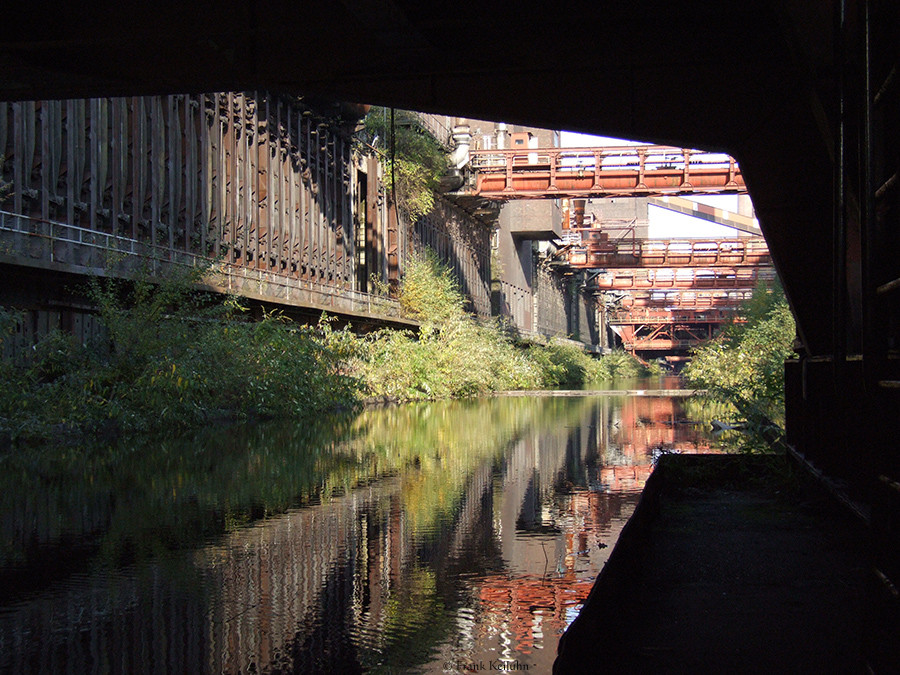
(745, 364)
(171, 358)
(413, 160)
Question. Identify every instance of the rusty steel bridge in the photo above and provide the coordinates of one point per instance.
(649, 288)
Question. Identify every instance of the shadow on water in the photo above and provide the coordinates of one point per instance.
(421, 538)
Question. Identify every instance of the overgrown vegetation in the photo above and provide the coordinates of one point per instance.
(453, 355)
(413, 160)
(744, 366)
(173, 358)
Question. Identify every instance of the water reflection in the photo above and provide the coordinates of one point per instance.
(423, 538)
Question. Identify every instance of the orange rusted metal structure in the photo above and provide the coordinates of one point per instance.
(669, 336)
(697, 301)
(668, 295)
(718, 278)
(622, 171)
(591, 248)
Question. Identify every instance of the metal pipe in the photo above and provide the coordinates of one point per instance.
(463, 139)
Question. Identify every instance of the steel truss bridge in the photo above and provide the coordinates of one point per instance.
(668, 296)
(660, 296)
(613, 171)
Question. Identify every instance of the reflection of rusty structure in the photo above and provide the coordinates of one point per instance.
(651, 424)
(530, 609)
(329, 587)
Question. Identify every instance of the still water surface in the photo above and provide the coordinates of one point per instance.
(423, 538)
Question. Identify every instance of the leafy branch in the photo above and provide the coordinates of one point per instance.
(413, 160)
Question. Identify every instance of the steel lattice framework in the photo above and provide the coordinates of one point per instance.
(619, 171)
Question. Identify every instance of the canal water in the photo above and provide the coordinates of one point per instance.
(432, 538)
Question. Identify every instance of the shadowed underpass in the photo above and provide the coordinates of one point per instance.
(730, 564)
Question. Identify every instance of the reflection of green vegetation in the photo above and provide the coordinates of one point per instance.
(416, 620)
(705, 409)
(143, 498)
(441, 445)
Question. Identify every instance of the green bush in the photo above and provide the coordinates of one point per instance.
(413, 160)
(620, 365)
(745, 364)
(173, 358)
(453, 355)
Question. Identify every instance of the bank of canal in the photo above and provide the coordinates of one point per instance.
(420, 538)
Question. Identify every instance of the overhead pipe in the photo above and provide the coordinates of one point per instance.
(462, 136)
(578, 208)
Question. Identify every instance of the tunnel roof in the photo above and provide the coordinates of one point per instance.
(753, 79)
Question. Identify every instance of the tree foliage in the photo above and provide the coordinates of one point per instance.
(413, 160)
(745, 364)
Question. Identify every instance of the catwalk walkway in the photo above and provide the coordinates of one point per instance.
(730, 565)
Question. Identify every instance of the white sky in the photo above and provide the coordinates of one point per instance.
(663, 223)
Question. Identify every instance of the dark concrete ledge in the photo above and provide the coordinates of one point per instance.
(730, 564)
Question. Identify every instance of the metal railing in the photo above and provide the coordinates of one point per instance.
(558, 172)
(666, 316)
(597, 252)
(104, 248)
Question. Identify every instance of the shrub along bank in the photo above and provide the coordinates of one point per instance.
(173, 358)
(744, 366)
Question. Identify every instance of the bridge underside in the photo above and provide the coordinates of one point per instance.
(758, 85)
(813, 121)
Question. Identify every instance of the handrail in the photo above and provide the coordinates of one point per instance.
(56, 232)
(667, 316)
(637, 253)
(681, 278)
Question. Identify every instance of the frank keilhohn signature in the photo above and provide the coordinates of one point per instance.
(486, 666)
